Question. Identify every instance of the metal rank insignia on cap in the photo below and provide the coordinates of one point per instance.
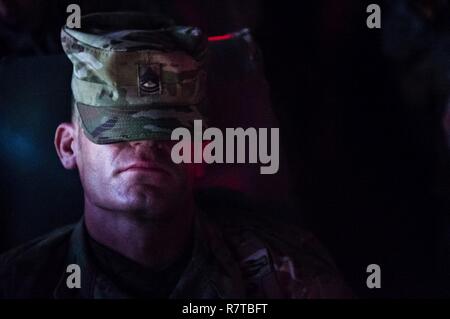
(149, 82)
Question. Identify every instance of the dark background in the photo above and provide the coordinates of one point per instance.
(362, 114)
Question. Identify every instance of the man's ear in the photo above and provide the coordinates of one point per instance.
(65, 138)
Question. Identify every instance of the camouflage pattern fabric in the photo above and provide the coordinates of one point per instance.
(244, 258)
(135, 76)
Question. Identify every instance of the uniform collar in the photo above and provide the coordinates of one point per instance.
(211, 272)
(78, 254)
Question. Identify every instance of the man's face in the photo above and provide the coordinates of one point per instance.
(136, 177)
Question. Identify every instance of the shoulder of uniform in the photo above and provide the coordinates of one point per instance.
(32, 268)
(39, 248)
(265, 243)
(267, 221)
(280, 235)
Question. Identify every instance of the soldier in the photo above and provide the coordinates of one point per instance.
(135, 79)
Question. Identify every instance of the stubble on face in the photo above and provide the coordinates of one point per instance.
(135, 178)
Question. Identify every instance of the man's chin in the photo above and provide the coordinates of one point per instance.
(149, 201)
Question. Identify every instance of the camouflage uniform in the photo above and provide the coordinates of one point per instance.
(242, 257)
(136, 77)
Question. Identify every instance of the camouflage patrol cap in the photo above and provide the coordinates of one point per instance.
(135, 76)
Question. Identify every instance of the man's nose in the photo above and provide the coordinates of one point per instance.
(135, 143)
(146, 144)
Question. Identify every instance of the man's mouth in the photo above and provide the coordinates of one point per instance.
(144, 168)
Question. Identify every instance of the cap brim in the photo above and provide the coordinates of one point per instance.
(105, 125)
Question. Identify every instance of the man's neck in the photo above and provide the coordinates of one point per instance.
(153, 243)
